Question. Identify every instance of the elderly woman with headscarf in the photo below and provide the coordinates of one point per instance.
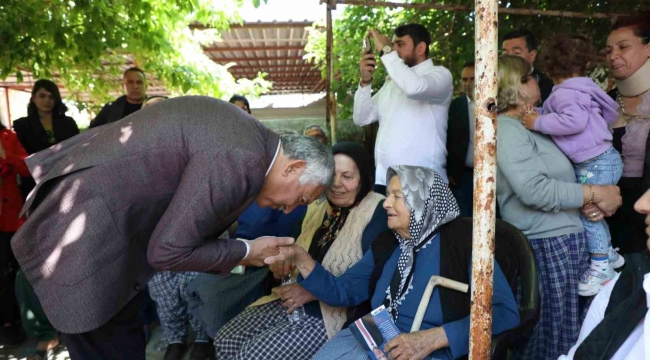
(422, 241)
(337, 232)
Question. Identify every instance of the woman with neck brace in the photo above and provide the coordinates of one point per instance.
(628, 59)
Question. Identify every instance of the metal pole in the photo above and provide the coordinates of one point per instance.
(330, 117)
(485, 142)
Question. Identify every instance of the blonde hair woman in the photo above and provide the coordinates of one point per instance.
(538, 193)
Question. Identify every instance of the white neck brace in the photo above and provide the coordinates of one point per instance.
(636, 84)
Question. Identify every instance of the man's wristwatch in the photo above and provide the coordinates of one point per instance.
(386, 49)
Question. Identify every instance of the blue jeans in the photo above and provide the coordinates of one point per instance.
(604, 169)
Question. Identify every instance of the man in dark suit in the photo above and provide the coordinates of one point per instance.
(460, 143)
(522, 43)
(153, 190)
(134, 83)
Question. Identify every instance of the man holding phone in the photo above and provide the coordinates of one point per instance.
(412, 105)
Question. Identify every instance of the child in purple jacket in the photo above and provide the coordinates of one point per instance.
(577, 115)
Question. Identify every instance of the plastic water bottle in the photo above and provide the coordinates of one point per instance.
(299, 313)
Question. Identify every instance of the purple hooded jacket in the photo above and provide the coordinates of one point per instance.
(577, 115)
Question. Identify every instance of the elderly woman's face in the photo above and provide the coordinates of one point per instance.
(625, 53)
(643, 206)
(531, 88)
(399, 215)
(347, 181)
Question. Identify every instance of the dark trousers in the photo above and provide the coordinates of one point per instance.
(121, 338)
(9, 311)
(464, 192)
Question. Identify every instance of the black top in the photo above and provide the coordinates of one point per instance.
(34, 138)
(130, 109)
(458, 133)
(618, 139)
(545, 84)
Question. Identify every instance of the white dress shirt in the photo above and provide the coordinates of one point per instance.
(277, 151)
(412, 109)
(634, 347)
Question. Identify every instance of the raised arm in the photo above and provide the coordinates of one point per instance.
(435, 86)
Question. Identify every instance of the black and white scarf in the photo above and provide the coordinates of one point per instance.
(432, 204)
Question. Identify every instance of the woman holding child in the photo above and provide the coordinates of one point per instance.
(538, 193)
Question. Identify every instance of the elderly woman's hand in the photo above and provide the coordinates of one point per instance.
(294, 296)
(592, 213)
(295, 254)
(416, 345)
(607, 198)
(281, 269)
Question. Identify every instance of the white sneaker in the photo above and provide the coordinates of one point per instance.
(594, 279)
(616, 260)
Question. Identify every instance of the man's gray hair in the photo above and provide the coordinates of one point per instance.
(319, 159)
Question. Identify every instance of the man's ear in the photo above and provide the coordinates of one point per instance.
(534, 55)
(421, 48)
(294, 166)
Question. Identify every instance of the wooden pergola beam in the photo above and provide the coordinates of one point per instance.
(464, 8)
(254, 48)
(300, 73)
(270, 58)
(314, 79)
(272, 66)
(261, 25)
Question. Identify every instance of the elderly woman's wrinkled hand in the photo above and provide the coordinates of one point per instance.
(592, 213)
(295, 255)
(281, 269)
(294, 296)
(416, 345)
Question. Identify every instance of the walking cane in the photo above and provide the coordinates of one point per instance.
(433, 282)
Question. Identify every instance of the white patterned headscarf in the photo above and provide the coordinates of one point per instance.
(432, 204)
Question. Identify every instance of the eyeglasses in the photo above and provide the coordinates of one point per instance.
(525, 78)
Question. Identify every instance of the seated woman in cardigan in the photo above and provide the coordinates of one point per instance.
(336, 232)
(421, 210)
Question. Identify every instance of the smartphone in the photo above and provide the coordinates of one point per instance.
(367, 45)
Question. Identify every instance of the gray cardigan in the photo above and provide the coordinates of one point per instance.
(536, 184)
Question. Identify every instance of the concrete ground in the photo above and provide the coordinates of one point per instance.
(28, 347)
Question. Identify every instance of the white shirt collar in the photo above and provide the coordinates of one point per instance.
(277, 151)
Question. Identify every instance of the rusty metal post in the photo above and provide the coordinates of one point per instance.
(330, 117)
(485, 142)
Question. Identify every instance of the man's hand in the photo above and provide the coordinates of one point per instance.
(367, 65)
(264, 247)
(294, 296)
(379, 40)
(416, 345)
(281, 269)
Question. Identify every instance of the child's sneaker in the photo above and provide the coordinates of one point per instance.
(594, 279)
(616, 260)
